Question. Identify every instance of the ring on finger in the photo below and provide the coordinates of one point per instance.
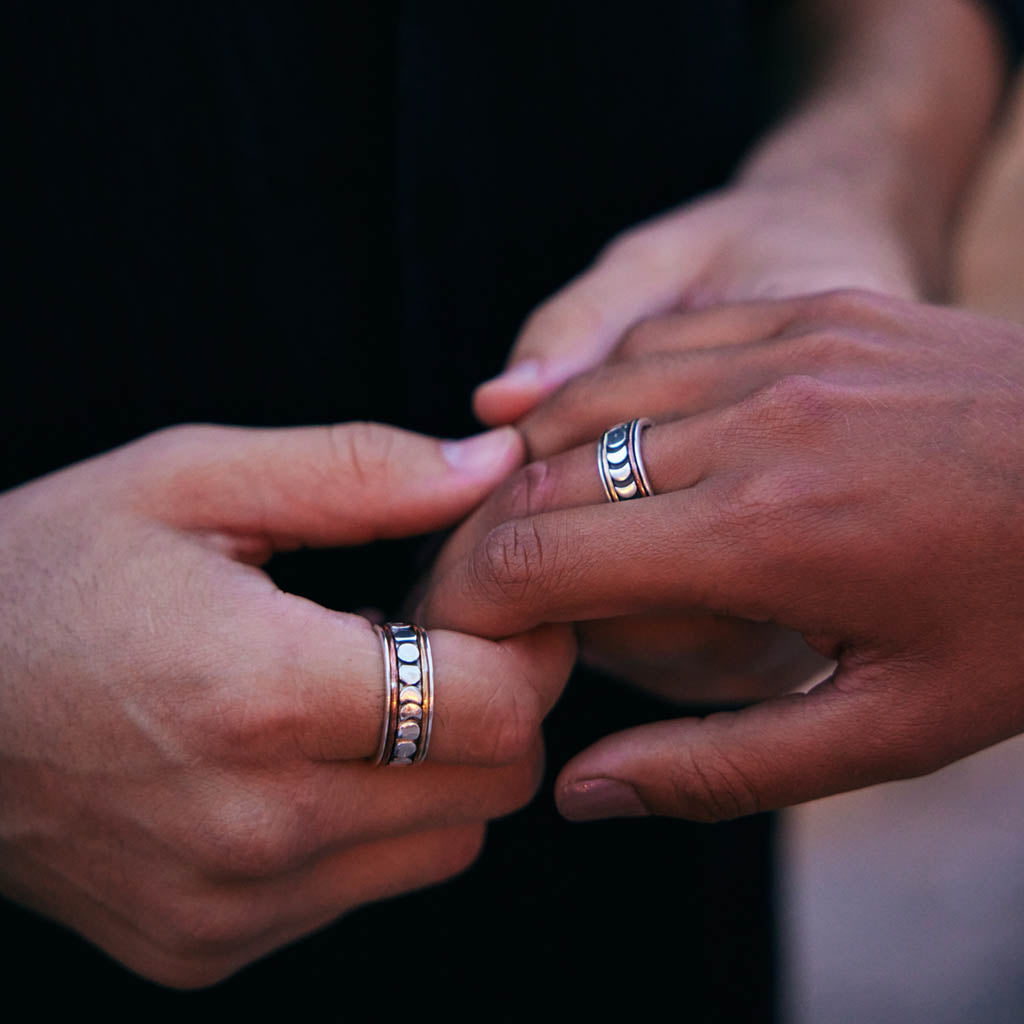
(409, 694)
(620, 461)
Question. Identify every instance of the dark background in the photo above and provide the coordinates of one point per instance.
(270, 214)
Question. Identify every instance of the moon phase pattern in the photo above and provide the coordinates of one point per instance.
(619, 463)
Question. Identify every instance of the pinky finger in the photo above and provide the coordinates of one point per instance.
(306, 900)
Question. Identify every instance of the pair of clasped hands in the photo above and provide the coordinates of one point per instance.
(185, 750)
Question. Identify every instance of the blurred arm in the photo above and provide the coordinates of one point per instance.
(902, 96)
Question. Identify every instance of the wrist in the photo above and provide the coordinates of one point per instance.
(892, 129)
(839, 152)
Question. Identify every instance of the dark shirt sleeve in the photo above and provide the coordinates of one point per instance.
(1009, 15)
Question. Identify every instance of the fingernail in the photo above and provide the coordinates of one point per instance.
(482, 452)
(524, 374)
(600, 798)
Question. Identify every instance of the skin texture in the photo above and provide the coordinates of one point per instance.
(182, 748)
(846, 466)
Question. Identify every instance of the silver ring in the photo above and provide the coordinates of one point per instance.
(620, 462)
(408, 694)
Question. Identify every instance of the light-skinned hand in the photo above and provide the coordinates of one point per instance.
(748, 241)
(183, 773)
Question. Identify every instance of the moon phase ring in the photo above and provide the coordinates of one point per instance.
(409, 694)
(620, 462)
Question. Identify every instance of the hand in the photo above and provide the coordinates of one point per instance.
(749, 241)
(182, 746)
(667, 368)
(855, 188)
(865, 491)
(752, 240)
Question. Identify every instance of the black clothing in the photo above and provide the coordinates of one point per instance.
(240, 212)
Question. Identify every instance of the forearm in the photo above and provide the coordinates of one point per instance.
(900, 99)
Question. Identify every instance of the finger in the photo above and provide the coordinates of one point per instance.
(548, 548)
(344, 880)
(672, 367)
(654, 555)
(319, 684)
(345, 484)
(734, 546)
(699, 658)
(667, 386)
(721, 326)
(272, 819)
(675, 458)
(375, 871)
(644, 273)
(356, 802)
(757, 532)
(778, 753)
(207, 935)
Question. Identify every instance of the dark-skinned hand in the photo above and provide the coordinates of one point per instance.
(846, 466)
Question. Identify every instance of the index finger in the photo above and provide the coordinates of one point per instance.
(597, 562)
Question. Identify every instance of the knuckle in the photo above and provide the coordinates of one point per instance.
(794, 392)
(712, 787)
(248, 839)
(460, 851)
(199, 974)
(198, 938)
(177, 972)
(509, 561)
(360, 453)
(229, 728)
(763, 495)
(196, 928)
(514, 737)
(186, 976)
(521, 781)
(508, 788)
(528, 491)
(511, 724)
(794, 402)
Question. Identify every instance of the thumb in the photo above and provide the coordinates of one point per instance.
(771, 755)
(641, 275)
(344, 484)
